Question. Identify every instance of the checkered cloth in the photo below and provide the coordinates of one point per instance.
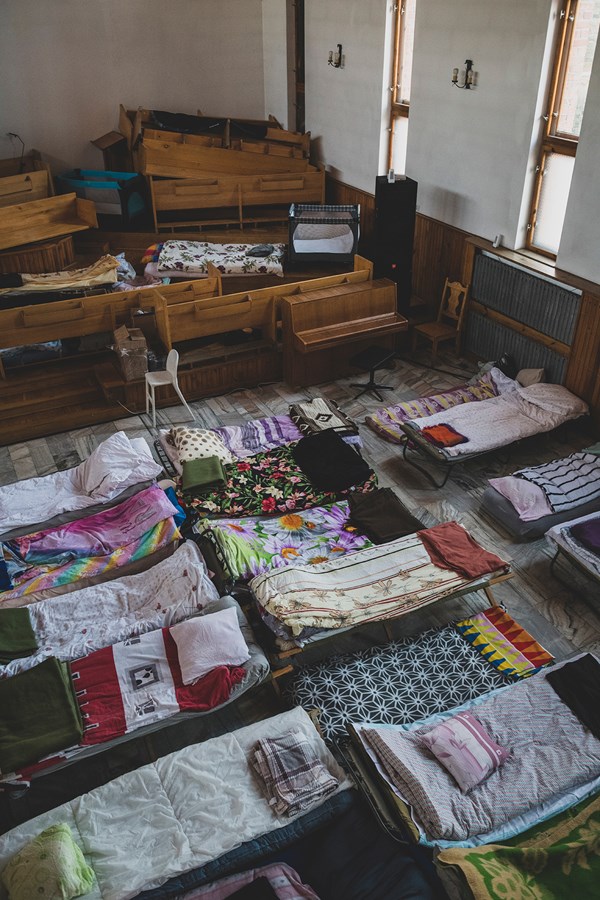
(293, 777)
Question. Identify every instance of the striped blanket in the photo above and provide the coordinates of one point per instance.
(567, 483)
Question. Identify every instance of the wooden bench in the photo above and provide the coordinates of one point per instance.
(25, 223)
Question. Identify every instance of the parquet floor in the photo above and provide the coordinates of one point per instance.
(565, 619)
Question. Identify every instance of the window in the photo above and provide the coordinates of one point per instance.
(404, 36)
(575, 48)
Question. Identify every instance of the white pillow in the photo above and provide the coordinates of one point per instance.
(208, 641)
(199, 443)
(114, 466)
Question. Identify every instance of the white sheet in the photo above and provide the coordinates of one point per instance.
(111, 468)
(510, 417)
(175, 814)
(72, 625)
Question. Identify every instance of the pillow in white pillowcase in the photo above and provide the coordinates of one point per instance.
(208, 641)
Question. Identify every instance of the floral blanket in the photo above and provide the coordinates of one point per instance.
(265, 484)
(252, 546)
(557, 859)
(192, 257)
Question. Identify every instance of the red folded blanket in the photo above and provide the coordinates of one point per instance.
(443, 435)
(451, 547)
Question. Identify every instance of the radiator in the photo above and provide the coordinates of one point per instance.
(541, 303)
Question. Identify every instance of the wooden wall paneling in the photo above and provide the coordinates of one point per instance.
(583, 372)
(438, 254)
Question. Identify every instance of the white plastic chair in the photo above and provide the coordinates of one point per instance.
(166, 376)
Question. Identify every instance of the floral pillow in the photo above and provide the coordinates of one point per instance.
(465, 749)
(199, 443)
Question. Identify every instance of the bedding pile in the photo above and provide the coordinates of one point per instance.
(386, 422)
(373, 584)
(292, 775)
(251, 546)
(506, 418)
(77, 623)
(284, 882)
(175, 814)
(116, 465)
(580, 539)
(189, 259)
(551, 755)
(270, 483)
(89, 547)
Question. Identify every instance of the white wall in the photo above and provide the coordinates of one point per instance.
(66, 65)
(579, 250)
(275, 67)
(470, 149)
(344, 106)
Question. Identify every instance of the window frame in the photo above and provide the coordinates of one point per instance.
(552, 140)
(399, 109)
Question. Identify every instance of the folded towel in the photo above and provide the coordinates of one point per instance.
(293, 776)
(381, 516)
(443, 435)
(40, 715)
(207, 473)
(16, 634)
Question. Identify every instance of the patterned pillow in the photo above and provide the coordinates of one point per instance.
(198, 443)
(465, 749)
(50, 866)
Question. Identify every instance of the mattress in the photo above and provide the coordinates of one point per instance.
(175, 814)
(544, 737)
(257, 669)
(559, 537)
(502, 510)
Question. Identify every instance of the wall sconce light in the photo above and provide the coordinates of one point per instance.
(335, 57)
(469, 81)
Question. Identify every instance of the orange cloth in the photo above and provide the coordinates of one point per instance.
(451, 547)
(443, 435)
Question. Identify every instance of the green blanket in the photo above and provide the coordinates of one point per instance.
(16, 634)
(555, 860)
(39, 715)
(203, 473)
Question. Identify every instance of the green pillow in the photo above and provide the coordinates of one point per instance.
(50, 867)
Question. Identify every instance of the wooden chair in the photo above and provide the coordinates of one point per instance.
(449, 323)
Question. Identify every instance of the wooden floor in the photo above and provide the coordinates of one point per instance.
(564, 619)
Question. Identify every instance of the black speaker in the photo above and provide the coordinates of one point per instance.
(395, 209)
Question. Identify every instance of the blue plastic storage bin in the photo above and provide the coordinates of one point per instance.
(120, 194)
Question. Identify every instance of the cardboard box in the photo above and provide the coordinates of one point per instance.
(132, 350)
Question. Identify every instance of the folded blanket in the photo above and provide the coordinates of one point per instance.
(39, 715)
(16, 635)
(292, 775)
(258, 435)
(504, 644)
(330, 463)
(287, 883)
(319, 414)
(450, 546)
(97, 535)
(34, 579)
(205, 473)
(443, 435)
(381, 516)
(578, 685)
(554, 860)
(588, 534)
(137, 682)
(567, 483)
